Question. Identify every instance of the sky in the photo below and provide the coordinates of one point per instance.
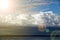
(32, 6)
(30, 11)
(51, 5)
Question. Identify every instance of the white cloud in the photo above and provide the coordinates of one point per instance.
(48, 18)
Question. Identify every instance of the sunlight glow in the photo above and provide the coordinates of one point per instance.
(7, 6)
(4, 4)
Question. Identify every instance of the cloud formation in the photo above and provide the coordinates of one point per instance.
(48, 18)
(34, 3)
(28, 5)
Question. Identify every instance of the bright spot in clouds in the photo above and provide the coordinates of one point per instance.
(7, 6)
(4, 4)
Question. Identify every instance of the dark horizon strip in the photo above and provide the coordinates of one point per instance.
(28, 36)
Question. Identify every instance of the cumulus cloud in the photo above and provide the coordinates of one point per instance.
(51, 19)
(48, 18)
